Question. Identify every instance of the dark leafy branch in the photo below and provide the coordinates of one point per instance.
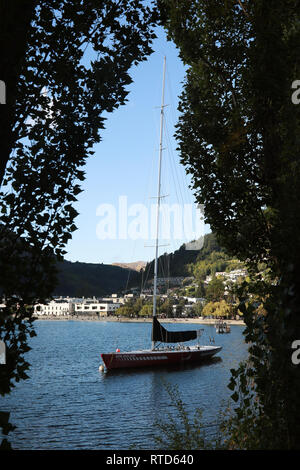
(244, 162)
(76, 60)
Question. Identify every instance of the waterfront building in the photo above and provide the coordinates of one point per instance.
(98, 308)
(61, 306)
(55, 308)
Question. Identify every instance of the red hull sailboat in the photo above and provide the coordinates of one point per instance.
(157, 355)
(160, 356)
(154, 358)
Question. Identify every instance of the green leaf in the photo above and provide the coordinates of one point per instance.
(235, 396)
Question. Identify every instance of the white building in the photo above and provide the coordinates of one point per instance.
(114, 299)
(69, 306)
(54, 307)
(232, 276)
(100, 308)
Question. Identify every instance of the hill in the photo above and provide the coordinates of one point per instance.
(92, 279)
(176, 264)
(136, 266)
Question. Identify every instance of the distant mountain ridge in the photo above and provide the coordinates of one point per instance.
(93, 279)
(136, 266)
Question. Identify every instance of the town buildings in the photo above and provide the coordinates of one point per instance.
(67, 306)
(106, 306)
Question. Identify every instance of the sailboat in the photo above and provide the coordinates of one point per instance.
(161, 355)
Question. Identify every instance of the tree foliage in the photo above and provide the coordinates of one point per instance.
(177, 431)
(74, 70)
(124, 311)
(238, 135)
(215, 289)
(14, 31)
(217, 309)
(146, 310)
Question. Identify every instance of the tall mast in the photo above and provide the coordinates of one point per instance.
(158, 190)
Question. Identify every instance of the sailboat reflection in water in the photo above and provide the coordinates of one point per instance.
(161, 355)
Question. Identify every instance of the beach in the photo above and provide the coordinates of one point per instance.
(87, 317)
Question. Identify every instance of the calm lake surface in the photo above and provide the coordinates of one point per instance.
(68, 404)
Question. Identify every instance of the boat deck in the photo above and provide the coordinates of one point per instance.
(169, 350)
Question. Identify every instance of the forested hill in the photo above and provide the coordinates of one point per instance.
(176, 264)
(89, 279)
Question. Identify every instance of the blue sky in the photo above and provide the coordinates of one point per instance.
(126, 161)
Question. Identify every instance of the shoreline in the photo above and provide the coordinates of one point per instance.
(202, 321)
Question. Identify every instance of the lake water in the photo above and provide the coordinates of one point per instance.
(69, 404)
